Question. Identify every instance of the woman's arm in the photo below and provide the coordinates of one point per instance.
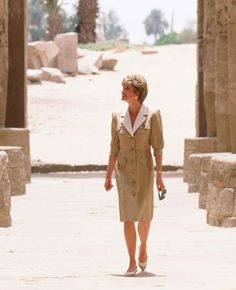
(159, 181)
(110, 167)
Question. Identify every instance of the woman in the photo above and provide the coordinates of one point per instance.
(134, 133)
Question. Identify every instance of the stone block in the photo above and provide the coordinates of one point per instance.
(227, 198)
(35, 57)
(52, 75)
(16, 169)
(34, 75)
(90, 63)
(213, 220)
(229, 222)
(18, 137)
(194, 172)
(67, 57)
(109, 63)
(223, 170)
(197, 145)
(5, 192)
(42, 54)
(213, 200)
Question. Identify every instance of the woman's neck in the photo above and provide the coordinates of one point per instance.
(134, 108)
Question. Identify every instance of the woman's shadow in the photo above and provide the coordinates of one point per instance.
(141, 274)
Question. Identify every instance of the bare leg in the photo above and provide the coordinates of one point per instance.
(130, 238)
(143, 231)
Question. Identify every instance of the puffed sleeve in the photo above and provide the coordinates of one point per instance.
(114, 150)
(157, 140)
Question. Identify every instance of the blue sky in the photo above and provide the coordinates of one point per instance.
(132, 13)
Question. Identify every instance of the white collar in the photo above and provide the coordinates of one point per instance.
(141, 117)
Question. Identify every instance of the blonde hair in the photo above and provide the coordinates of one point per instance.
(139, 84)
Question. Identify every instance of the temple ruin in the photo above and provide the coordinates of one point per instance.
(210, 158)
(15, 168)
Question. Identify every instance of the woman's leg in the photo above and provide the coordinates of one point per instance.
(130, 238)
(143, 231)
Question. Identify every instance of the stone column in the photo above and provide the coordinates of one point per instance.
(200, 110)
(16, 100)
(232, 72)
(221, 77)
(209, 66)
(3, 59)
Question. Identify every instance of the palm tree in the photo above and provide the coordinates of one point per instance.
(87, 14)
(54, 11)
(155, 24)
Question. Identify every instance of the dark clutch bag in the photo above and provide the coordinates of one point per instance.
(162, 194)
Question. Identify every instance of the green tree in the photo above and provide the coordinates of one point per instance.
(36, 21)
(155, 24)
(110, 27)
(188, 34)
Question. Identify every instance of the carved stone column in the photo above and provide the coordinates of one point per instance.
(16, 101)
(232, 72)
(3, 59)
(209, 66)
(221, 77)
(200, 110)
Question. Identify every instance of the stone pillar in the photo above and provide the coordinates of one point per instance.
(232, 72)
(200, 110)
(5, 192)
(16, 100)
(3, 59)
(221, 77)
(209, 66)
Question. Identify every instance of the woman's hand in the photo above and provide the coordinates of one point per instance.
(159, 182)
(108, 185)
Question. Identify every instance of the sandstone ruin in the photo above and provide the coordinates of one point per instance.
(210, 158)
(15, 168)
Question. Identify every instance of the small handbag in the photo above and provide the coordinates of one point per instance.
(162, 194)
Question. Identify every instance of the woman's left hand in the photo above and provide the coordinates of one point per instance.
(159, 183)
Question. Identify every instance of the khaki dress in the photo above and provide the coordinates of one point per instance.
(134, 170)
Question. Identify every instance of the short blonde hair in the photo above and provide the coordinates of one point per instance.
(139, 84)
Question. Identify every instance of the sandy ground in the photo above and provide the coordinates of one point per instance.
(70, 123)
(66, 234)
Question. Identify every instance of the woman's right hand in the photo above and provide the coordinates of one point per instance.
(108, 185)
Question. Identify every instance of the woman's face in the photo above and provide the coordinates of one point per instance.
(128, 93)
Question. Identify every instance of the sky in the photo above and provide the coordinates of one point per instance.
(132, 13)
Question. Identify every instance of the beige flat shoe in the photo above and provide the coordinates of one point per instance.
(131, 273)
(142, 265)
